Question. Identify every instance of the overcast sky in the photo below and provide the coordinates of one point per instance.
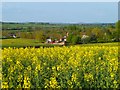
(60, 12)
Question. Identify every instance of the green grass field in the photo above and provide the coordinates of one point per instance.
(35, 43)
(21, 43)
(102, 44)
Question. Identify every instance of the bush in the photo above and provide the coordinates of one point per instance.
(72, 39)
(75, 40)
(69, 38)
(93, 38)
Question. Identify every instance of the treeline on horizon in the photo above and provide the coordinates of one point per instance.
(95, 33)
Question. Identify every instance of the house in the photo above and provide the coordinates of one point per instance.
(49, 40)
(63, 39)
(13, 35)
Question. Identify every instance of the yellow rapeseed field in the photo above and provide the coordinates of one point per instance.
(60, 67)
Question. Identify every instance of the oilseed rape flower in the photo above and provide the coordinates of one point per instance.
(53, 82)
(74, 78)
(5, 85)
(60, 67)
(88, 77)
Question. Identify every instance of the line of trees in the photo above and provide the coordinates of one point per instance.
(104, 34)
